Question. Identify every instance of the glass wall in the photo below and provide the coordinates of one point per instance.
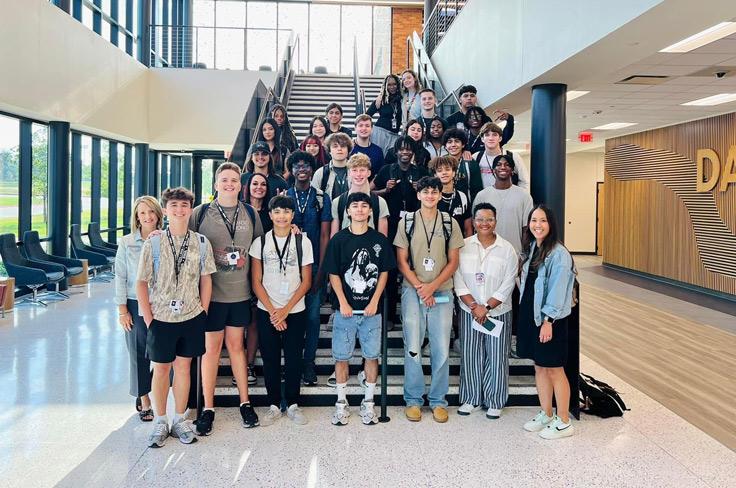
(86, 156)
(40, 179)
(9, 174)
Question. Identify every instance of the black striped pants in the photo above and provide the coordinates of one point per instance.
(484, 368)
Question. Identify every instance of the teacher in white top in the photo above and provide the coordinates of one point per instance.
(483, 283)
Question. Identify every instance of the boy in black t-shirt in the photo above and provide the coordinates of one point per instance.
(452, 201)
(358, 259)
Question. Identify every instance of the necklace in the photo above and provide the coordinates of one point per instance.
(450, 199)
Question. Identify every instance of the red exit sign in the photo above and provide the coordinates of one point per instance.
(585, 136)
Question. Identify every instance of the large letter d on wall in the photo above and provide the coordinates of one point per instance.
(703, 185)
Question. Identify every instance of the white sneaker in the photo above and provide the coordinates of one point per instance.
(272, 415)
(342, 412)
(361, 379)
(296, 415)
(557, 429)
(538, 423)
(467, 409)
(367, 414)
(493, 413)
(332, 380)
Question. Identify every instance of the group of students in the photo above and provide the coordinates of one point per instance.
(459, 228)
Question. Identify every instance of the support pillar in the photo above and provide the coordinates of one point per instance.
(141, 170)
(548, 149)
(58, 187)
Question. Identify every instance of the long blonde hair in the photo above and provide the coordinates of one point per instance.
(135, 224)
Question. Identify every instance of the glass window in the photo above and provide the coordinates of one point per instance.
(106, 6)
(207, 175)
(324, 37)
(203, 13)
(104, 183)
(86, 181)
(87, 16)
(121, 187)
(230, 14)
(261, 49)
(204, 46)
(260, 14)
(9, 174)
(122, 13)
(381, 40)
(39, 183)
(106, 30)
(294, 17)
(230, 45)
(356, 25)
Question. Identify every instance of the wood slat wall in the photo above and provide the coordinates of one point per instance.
(655, 221)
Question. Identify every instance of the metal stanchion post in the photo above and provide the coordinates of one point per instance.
(384, 362)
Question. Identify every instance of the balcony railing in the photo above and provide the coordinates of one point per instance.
(443, 15)
(233, 48)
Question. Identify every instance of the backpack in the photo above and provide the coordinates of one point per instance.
(325, 177)
(409, 219)
(156, 252)
(514, 175)
(299, 251)
(203, 213)
(342, 204)
(599, 398)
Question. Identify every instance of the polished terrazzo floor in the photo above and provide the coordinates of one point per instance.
(68, 421)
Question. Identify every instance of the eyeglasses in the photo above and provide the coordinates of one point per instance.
(485, 221)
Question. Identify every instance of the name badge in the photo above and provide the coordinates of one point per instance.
(284, 288)
(394, 124)
(460, 125)
(480, 278)
(402, 214)
(428, 264)
(233, 257)
(176, 306)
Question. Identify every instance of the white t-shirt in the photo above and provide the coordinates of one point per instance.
(512, 211)
(279, 284)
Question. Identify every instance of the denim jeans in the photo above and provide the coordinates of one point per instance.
(417, 320)
(312, 302)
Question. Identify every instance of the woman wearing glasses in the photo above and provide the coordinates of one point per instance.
(483, 283)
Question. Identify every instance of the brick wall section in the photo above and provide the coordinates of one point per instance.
(404, 21)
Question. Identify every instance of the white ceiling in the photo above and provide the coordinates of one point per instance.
(649, 106)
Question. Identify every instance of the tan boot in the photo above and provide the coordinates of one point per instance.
(413, 413)
(440, 414)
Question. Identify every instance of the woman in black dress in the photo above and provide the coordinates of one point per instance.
(547, 276)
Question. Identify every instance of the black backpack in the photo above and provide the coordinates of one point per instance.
(342, 204)
(600, 399)
(299, 251)
(409, 220)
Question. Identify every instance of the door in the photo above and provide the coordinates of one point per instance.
(600, 200)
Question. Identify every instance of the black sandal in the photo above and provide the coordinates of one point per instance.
(146, 415)
(138, 405)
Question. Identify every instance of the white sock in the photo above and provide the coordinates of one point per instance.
(178, 417)
(211, 409)
(244, 403)
(163, 419)
(370, 389)
(341, 394)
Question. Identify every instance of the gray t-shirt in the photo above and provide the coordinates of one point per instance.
(512, 211)
(231, 282)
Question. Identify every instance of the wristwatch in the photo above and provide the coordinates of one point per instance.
(549, 319)
(488, 307)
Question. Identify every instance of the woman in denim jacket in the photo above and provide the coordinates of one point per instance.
(146, 217)
(547, 276)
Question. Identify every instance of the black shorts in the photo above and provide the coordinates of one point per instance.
(235, 314)
(167, 340)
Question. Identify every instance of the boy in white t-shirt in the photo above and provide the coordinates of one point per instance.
(281, 276)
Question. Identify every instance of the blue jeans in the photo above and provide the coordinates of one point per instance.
(312, 302)
(417, 320)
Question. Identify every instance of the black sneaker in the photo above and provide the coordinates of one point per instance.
(252, 378)
(309, 377)
(203, 425)
(250, 418)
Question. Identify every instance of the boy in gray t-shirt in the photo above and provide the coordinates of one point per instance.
(513, 204)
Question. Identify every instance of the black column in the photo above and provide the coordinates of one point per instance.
(127, 184)
(112, 195)
(197, 178)
(141, 170)
(58, 187)
(153, 174)
(548, 149)
(26, 177)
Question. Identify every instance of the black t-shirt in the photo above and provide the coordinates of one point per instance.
(455, 204)
(402, 196)
(358, 260)
(387, 114)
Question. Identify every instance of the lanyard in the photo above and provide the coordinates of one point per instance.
(302, 208)
(283, 254)
(181, 257)
(427, 235)
(231, 228)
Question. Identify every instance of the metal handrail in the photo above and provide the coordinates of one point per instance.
(359, 104)
(423, 64)
(438, 22)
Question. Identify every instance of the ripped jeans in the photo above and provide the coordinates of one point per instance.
(417, 320)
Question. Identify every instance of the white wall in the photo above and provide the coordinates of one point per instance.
(583, 171)
(55, 68)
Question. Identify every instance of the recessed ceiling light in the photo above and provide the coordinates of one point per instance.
(712, 100)
(573, 94)
(700, 39)
(614, 125)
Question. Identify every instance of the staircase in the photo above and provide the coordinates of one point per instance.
(522, 391)
(310, 94)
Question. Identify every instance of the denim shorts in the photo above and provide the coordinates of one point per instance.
(344, 330)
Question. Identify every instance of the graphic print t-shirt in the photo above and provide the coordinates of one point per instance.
(358, 260)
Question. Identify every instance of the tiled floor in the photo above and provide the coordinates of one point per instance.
(68, 421)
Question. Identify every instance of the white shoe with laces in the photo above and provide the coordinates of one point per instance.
(538, 423)
(342, 413)
(557, 429)
(367, 414)
(272, 415)
(296, 414)
(467, 409)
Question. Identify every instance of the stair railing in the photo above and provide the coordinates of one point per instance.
(359, 99)
(418, 59)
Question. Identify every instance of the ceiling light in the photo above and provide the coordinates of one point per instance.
(573, 94)
(614, 125)
(700, 39)
(712, 100)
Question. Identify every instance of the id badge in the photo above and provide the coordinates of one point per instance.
(284, 288)
(402, 214)
(233, 257)
(480, 278)
(394, 124)
(428, 264)
(176, 306)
